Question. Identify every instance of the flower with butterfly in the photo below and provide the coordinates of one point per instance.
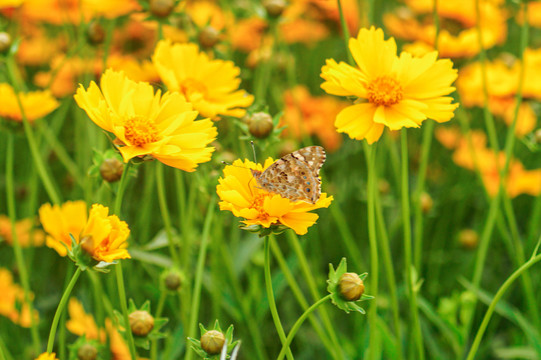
(277, 195)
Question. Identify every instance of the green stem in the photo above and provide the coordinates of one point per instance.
(60, 309)
(119, 275)
(497, 297)
(412, 292)
(34, 149)
(19, 257)
(345, 31)
(370, 152)
(159, 309)
(165, 211)
(194, 309)
(309, 277)
(270, 298)
(298, 324)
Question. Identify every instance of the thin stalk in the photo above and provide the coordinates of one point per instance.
(194, 309)
(309, 277)
(270, 298)
(298, 324)
(412, 292)
(370, 152)
(159, 309)
(165, 212)
(60, 309)
(19, 257)
(300, 298)
(32, 143)
(501, 291)
(345, 31)
(119, 275)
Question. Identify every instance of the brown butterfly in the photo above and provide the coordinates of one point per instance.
(295, 176)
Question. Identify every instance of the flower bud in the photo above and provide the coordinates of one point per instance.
(141, 322)
(162, 8)
(111, 169)
(5, 42)
(351, 286)
(260, 125)
(537, 135)
(173, 280)
(212, 342)
(468, 238)
(383, 186)
(274, 8)
(208, 37)
(95, 33)
(87, 352)
(426, 203)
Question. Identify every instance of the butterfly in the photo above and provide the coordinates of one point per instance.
(295, 176)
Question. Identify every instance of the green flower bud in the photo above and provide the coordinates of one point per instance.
(212, 342)
(162, 8)
(208, 37)
(260, 125)
(274, 8)
(95, 33)
(5, 42)
(141, 322)
(87, 352)
(111, 170)
(351, 286)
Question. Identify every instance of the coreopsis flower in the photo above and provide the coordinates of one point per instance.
(210, 85)
(247, 34)
(12, 304)
(59, 222)
(80, 323)
(63, 77)
(8, 4)
(26, 234)
(110, 9)
(391, 91)
(55, 12)
(47, 356)
(306, 115)
(148, 123)
(456, 41)
(36, 104)
(240, 194)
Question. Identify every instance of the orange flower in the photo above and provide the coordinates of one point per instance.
(306, 115)
(82, 324)
(12, 304)
(247, 34)
(241, 195)
(26, 235)
(55, 12)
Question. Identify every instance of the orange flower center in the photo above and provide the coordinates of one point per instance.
(140, 131)
(191, 86)
(258, 203)
(385, 91)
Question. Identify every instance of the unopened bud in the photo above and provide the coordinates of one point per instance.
(5, 42)
(95, 33)
(468, 238)
(141, 322)
(162, 8)
(87, 352)
(274, 8)
(208, 37)
(383, 186)
(537, 135)
(351, 286)
(212, 342)
(260, 125)
(111, 169)
(426, 203)
(173, 281)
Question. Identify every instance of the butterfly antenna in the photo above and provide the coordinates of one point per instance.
(253, 150)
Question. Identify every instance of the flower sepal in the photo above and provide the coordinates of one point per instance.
(85, 348)
(333, 288)
(262, 231)
(79, 256)
(208, 349)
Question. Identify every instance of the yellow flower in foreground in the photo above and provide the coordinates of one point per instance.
(47, 356)
(102, 236)
(61, 221)
(12, 304)
(392, 91)
(240, 195)
(146, 123)
(36, 104)
(210, 85)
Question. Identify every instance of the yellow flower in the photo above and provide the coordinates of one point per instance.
(80, 323)
(7, 4)
(210, 85)
(392, 91)
(47, 356)
(104, 236)
(110, 9)
(100, 235)
(36, 104)
(147, 123)
(12, 304)
(61, 221)
(26, 235)
(241, 195)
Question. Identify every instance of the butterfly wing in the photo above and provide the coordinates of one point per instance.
(295, 176)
